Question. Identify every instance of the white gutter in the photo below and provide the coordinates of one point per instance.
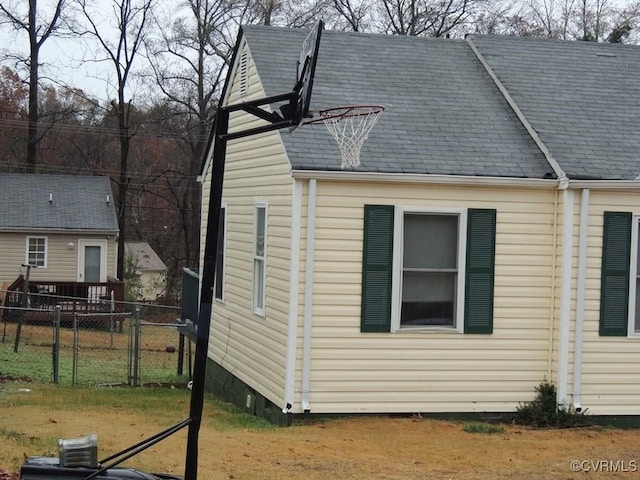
(425, 179)
(562, 177)
(294, 270)
(565, 299)
(45, 231)
(308, 295)
(606, 184)
(580, 300)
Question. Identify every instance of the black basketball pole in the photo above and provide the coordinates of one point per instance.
(207, 277)
(292, 111)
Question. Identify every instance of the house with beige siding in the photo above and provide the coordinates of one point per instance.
(487, 241)
(64, 226)
(148, 271)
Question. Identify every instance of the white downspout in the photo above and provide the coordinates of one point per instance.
(565, 299)
(294, 271)
(580, 300)
(308, 295)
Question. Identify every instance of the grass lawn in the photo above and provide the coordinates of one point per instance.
(233, 445)
(102, 356)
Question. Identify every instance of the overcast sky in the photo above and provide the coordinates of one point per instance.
(69, 61)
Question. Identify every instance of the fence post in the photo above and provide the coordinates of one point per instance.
(111, 320)
(136, 348)
(180, 354)
(24, 303)
(56, 342)
(130, 355)
(74, 368)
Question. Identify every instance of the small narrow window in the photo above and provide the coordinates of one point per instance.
(37, 251)
(219, 278)
(259, 259)
(244, 72)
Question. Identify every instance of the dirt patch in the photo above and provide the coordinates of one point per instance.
(349, 448)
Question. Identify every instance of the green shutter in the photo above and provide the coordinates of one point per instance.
(377, 268)
(480, 266)
(614, 287)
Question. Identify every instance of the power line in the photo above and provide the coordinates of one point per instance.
(104, 131)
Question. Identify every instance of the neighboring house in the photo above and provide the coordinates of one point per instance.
(487, 241)
(150, 271)
(63, 225)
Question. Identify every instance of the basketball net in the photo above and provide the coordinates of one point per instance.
(350, 126)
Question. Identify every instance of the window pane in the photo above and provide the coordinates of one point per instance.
(428, 298)
(637, 314)
(260, 214)
(636, 327)
(258, 286)
(430, 241)
(37, 252)
(92, 264)
(220, 256)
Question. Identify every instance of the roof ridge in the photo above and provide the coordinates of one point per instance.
(562, 176)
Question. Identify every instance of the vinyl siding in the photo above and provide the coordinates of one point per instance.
(250, 346)
(610, 369)
(431, 371)
(62, 262)
(383, 372)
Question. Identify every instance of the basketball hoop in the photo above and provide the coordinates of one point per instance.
(350, 126)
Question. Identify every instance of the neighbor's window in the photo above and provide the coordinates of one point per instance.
(37, 251)
(219, 278)
(429, 270)
(259, 259)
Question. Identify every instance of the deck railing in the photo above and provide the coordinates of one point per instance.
(73, 297)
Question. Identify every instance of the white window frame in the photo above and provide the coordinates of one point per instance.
(259, 302)
(224, 259)
(633, 275)
(398, 247)
(46, 250)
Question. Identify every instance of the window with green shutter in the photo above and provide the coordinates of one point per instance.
(616, 263)
(377, 267)
(425, 289)
(481, 248)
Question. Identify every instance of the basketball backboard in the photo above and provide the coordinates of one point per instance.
(306, 71)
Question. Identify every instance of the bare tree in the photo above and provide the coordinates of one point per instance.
(590, 20)
(434, 18)
(120, 48)
(354, 12)
(39, 30)
(188, 59)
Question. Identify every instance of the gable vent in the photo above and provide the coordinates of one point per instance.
(244, 72)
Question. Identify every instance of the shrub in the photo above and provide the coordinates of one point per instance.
(544, 412)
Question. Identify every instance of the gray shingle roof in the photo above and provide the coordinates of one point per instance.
(444, 114)
(145, 256)
(583, 99)
(79, 203)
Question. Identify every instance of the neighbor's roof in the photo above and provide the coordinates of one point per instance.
(78, 203)
(147, 258)
(444, 113)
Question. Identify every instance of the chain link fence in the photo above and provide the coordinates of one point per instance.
(117, 343)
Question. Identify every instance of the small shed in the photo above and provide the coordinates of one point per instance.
(149, 271)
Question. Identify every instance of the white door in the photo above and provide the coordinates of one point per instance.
(92, 261)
